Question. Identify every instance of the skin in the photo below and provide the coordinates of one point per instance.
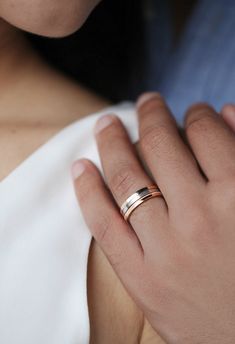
(176, 257)
(51, 18)
(54, 102)
(228, 113)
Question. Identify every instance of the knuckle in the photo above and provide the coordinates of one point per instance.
(122, 181)
(154, 138)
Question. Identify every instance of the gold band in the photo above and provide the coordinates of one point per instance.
(139, 197)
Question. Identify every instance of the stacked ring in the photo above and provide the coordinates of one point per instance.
(139, 197)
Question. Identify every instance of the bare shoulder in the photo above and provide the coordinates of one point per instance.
(71, 99)
(114, 317)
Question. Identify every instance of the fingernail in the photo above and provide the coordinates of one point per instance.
(78, 169)
(103, 123)
(146, 97)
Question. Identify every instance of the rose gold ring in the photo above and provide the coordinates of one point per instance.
(139, 197)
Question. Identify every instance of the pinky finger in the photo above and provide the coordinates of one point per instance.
(115, 237)
(228, 114)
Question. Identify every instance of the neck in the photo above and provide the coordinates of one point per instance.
(17, 64)
(30, 89)
(14, 55)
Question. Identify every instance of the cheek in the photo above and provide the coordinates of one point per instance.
(54, 18)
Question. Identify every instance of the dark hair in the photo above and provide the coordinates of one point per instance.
(106, 53)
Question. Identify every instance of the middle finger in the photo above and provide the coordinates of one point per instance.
(167, 156)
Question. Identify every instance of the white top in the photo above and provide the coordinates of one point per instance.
(44, 242)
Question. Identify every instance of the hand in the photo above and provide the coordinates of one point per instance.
(177, 256)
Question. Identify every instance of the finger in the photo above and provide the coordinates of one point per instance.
(124, 175)
(168, 158)
(211, 140)
(228, 114)
(114, 236)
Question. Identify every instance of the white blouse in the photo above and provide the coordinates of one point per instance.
(44, 242)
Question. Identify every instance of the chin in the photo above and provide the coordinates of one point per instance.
(54, 31)
(57, 21)
(57, 28)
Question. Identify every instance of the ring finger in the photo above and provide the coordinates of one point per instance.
(125, 175)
